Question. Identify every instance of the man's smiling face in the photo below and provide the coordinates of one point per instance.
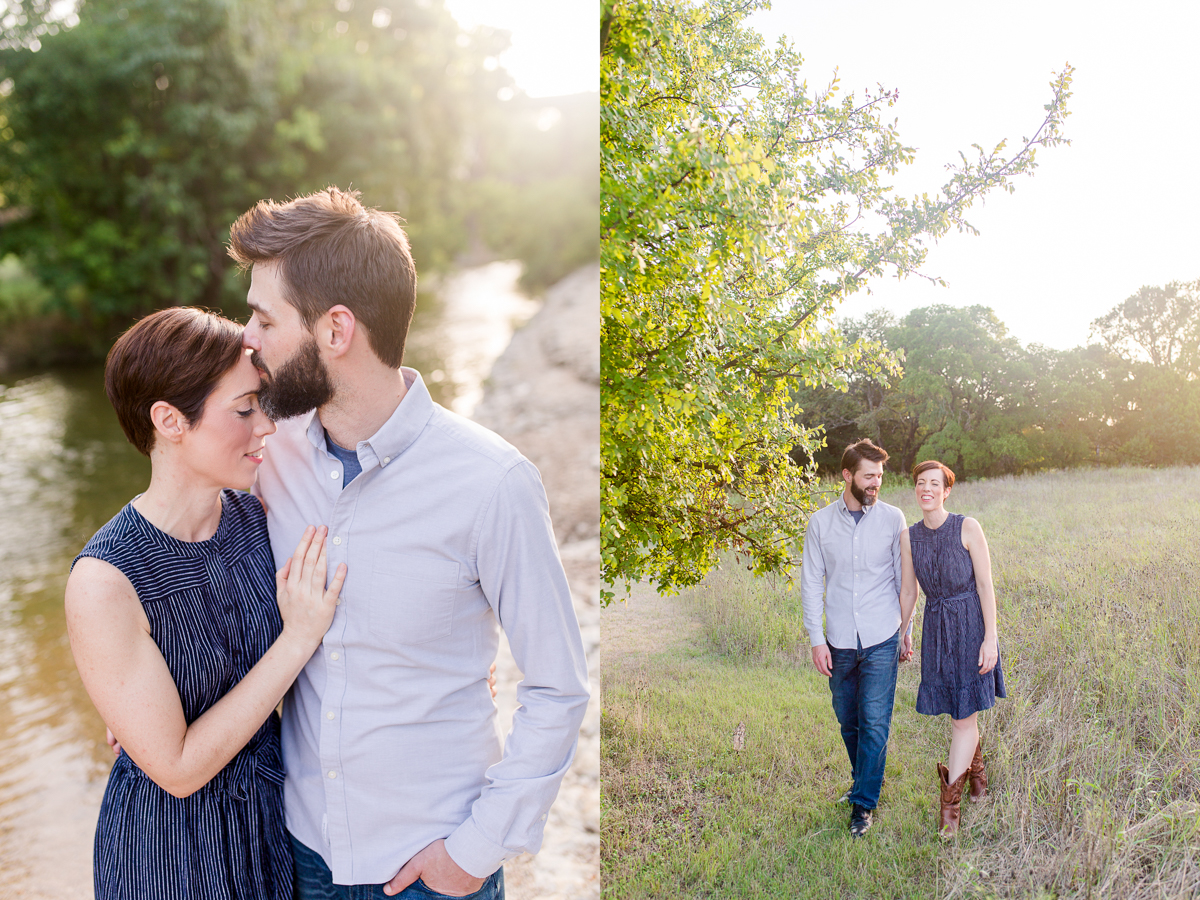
(865, 482)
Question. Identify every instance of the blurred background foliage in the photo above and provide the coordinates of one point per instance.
(970, 395)
(133, 133)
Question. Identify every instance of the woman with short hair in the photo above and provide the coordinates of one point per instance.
(185, 637)
(947, 554)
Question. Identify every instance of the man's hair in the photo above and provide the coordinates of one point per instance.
(947, 472)
(865, 449)
(332, 250)
(176, 355)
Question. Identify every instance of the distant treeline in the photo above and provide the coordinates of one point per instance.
(972, 396)
(133, 132)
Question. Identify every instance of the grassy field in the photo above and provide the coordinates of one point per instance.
(1094, 758)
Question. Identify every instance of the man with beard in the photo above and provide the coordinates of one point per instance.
(394, 764)
(851, 571)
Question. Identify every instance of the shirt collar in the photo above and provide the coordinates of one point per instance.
(396, 434)
(841, 502)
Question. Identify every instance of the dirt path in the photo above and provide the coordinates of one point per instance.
(543, 396)
(645, 623)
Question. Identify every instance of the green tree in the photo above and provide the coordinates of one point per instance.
(537, 193)
(1077, 405)
(968, 385)
(737, 208)
(1158, 324)
(136, 137)
(1153, 337)
(130, 142)
(965, 394)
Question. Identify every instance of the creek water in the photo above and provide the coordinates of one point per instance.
(66, 469)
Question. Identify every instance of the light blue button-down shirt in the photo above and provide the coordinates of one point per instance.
(389, 734)
(851, 572)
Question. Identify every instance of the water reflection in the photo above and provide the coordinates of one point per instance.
(66, 469)
(461, 328)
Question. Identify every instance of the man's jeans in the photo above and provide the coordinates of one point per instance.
(314, 881)
(863, 685)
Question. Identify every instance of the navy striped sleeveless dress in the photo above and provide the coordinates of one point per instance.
(952, 628)
(212, 611)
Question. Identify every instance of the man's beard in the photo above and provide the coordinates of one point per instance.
(855, 491)
(298, 386)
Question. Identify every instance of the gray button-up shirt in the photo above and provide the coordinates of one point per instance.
(852, 572)
(389, 734)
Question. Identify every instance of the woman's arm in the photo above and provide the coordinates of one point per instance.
(128, 680)
(908, 593)
(981, 562)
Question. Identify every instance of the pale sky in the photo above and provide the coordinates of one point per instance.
(555, 43)
(1117, 209)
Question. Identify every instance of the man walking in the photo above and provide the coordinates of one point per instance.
(394, 765)
(851, 572)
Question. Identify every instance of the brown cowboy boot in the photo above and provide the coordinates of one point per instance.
(977, 776)
(951, 796)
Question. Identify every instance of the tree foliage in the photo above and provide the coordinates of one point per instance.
(132, 140)
(971, 396)
(738, 206)
(966, 395)
(1158, 324)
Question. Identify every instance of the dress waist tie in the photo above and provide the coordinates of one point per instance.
(258, 759)
(944, 608)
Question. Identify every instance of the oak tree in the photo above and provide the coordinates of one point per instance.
(739, 205)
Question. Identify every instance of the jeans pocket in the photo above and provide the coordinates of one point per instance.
(484, 893)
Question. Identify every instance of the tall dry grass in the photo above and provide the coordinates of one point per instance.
(1094, 757)
(1097, 750)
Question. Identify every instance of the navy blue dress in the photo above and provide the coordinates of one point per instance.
(952, 629)
(212, 611)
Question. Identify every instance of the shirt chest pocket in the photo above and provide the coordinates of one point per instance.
(412, 597)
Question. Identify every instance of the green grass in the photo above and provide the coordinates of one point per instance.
(1094, 758)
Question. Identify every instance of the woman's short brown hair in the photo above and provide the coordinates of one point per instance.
(947, 472)
(332, 250)
(175, 355)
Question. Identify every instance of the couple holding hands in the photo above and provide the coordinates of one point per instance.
(862, 567)
(418, 535)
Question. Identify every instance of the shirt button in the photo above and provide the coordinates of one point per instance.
(329, 715)
(337, 538)
(332, 774)
(333, 655)
(334, 475)
(386, 460)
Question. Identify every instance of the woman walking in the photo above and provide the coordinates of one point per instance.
(947, 554)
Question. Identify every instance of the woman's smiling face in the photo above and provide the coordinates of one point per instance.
(225, 445)
(931, 489)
